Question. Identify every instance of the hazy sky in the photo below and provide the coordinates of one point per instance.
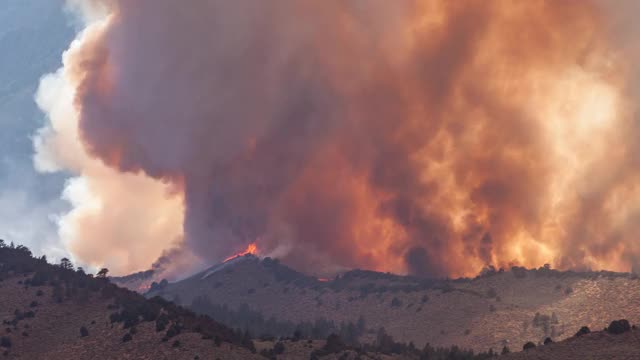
(33, 35)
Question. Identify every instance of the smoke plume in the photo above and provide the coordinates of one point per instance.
(431, 137)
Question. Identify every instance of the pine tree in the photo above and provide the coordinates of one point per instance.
(66, 264)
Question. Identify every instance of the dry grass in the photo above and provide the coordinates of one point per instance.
(595, 346)
(54, 331)
(465, 316)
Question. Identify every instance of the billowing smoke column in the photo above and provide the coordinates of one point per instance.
(428, 137)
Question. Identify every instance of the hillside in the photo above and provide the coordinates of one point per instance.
(497, 309)
(58, 312)
(50, 312)
(595, 346)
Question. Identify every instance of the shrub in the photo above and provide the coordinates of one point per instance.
(491, 293)
(396, 302)
(334, 344)
(528, 345)
(39, 293)
(174, 330)
(568, 290)
(115, 317)
(278, 348)
(5, 342)
(548, 341)
(176, 344)
(505, 350)
(619, 326)
(583, 331)
(161, 322)
(33, 304)
(519, 272)
(84, 332)
(127, 337)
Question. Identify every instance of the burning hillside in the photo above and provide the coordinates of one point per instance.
(427, 137)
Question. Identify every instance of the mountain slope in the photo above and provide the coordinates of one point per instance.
(50, 312)
(595, 346)
(491, 311)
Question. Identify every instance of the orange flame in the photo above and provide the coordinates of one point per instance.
(323, 279)
(251, 249)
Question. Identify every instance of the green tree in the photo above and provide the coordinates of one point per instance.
(102, 273)
(66, 264)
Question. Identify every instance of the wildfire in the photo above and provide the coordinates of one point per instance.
(251, 249)
(323, 279)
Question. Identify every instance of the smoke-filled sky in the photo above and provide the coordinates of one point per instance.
(427, 137)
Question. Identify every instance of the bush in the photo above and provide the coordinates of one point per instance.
(505, 350)
(127, 337)
(548, 341)
(84, 332)
(176, 344)
(519, 272)
(568, 290)
(583, 331)
(174, 330)
(334, 344)
(528, 346)
(39, 293)
(5, 342)
(278, 348)
(396, 302)
(161, 322)
(33, 304)
(491, 293)
(619, 326)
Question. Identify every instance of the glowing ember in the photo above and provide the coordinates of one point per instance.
(251, 249)
(323, 279)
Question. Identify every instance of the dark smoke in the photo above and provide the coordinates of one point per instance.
(401, 136)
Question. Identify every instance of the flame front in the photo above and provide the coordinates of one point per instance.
(251, 249)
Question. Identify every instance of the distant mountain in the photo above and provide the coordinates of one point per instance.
(140, 281)
(497, 309)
